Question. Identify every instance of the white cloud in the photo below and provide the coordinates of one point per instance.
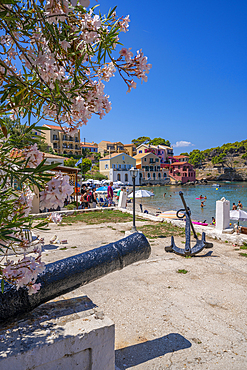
(182, 144)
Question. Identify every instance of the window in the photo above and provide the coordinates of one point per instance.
(157, 159)
(159, 175)
(118, 177)
(113, 166)
(54, 137)
(119, 166)
(106, 166)
(140, 151)
(145, 159)
(164, 175)
(149, 177)
(154, 175)
(123, 157)
(126, 177)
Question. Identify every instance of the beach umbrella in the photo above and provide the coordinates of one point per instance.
(141, 194)
(168, 214)
(238, 215)
(102, 189)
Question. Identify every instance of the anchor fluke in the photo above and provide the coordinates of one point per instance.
(200, 244)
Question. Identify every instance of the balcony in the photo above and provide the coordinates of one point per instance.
(76, 140)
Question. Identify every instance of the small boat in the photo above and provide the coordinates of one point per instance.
(216, 185)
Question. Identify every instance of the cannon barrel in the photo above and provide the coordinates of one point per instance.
(68, 274)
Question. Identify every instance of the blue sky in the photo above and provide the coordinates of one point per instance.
(196, 90)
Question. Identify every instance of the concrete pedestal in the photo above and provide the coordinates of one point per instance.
(222, 214)
(122, 199)
(67, 333)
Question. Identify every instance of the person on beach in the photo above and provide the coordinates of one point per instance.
(118, 193)
(240, 205)
(234, 207)
(94, 198)
(84, 200)
(213, 221)
(110, 194)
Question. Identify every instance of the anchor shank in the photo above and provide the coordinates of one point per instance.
(187, 213)
(187, 235)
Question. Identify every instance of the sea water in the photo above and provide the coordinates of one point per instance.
(233, 192)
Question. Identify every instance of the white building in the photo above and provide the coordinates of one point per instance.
(117, 166)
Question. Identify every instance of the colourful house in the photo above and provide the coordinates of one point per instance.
(165, 153)
(182, 171)
(150, 169)
(116, 167)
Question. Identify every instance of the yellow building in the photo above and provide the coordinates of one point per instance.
(60, 142)
(150, 168)
(106, 147)
(130, 149)
(116, 167)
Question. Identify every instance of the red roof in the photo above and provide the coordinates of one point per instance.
(89, 146)
(180, 156)
(53, 127)
(180, 164)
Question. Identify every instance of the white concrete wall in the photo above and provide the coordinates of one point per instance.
(79, 339)
(222, 217)
(113, 176)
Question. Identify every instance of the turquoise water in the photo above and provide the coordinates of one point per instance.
(233, 192)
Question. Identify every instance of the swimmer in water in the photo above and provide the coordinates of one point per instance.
(202, 204)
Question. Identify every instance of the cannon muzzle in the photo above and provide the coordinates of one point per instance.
(70, 273)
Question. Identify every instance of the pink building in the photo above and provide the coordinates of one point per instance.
(182, 171)
(165, 153)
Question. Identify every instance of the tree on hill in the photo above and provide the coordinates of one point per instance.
(70, 162)
(159, 141)
(196, 157)
(146, 140)
(97, 157)
(85, 152)
(85, 165)
(141, 140)
(185, 153)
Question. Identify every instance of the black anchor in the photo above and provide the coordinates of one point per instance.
(200, 244)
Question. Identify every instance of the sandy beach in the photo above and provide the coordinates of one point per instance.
(165, 319)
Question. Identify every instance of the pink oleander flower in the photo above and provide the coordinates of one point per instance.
(126, 53)
(24, 272)
(56, 218)
(56, 191)
(124, 24)
(34, 155)
(132, 85)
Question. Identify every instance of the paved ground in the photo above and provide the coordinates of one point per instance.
(165, 319)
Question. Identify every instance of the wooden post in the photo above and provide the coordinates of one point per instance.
(76, 192)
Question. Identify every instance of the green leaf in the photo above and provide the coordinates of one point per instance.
(2, 285)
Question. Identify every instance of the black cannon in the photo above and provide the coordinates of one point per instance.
(68, 274)
(200, 244)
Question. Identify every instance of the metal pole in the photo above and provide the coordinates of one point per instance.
(134, 205)
(76, 190)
